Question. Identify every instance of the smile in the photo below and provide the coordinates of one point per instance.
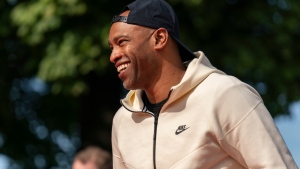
(122, 67)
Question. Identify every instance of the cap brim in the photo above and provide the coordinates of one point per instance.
(185, 53)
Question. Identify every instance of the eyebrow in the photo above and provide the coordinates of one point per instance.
(118, 37)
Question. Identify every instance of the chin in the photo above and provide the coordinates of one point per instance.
(128, 87)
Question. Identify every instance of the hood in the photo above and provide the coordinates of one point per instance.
(197, 70)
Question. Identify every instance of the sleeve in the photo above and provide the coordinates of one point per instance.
(117, 158)
(248, 133)
(257, 143)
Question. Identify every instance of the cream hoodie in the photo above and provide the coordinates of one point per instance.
(211, 120)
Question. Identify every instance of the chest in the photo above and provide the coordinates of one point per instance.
(181, 141)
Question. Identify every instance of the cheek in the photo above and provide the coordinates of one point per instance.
(141, 56)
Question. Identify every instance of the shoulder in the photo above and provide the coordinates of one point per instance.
(226, 86)
(228, 100)
(119, 114)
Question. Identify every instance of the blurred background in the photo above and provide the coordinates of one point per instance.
(59, 93)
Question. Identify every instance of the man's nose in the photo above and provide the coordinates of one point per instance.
(115, 56)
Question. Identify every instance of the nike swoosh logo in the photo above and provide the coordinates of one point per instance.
(181, 129)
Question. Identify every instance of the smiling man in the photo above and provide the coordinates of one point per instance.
(181, 112)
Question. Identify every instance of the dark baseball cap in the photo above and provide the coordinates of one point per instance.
(155, 14)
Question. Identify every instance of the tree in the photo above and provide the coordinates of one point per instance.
(59, 92)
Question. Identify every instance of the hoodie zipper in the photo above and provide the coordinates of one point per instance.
(155, 114)
(154, 138)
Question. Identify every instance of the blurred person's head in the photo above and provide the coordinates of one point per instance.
(92, 157)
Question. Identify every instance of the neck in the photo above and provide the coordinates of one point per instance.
(160, 91)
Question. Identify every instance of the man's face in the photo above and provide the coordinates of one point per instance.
(132, 54)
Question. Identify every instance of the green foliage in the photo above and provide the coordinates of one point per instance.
(35, 18)
(69, 48)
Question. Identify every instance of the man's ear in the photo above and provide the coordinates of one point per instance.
(161, 38)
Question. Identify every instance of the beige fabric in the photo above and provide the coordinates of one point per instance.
(227, 125)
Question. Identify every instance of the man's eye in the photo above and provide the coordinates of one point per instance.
(121, 41)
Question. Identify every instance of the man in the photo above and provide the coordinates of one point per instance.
(183, 116)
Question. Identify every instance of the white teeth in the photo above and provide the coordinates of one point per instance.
(122, 67)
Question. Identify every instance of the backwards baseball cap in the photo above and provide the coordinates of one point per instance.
(155, 14)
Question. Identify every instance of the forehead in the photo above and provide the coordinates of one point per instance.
(119, 29)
